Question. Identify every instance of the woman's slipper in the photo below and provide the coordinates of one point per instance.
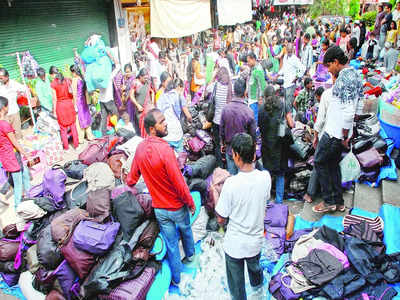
(307, 198)
(321, 208)
(341, 208)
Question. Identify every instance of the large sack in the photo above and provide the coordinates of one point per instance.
(49, 254)
(129, 213)
(98, 204)
(132, 289)
(203, 167)
(8, 249)
(63, 226)
(80, 261)
(116, 161)
(99, 176)
(217, 182)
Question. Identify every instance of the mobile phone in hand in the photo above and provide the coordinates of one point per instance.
(33, 162)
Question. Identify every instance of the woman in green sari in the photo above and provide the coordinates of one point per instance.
(273, 52)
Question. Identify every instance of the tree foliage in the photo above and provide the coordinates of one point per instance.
(354, 8)
(329, 7)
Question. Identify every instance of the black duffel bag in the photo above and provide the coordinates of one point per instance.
(74, 169)
(77, 197)
(128, 212)
(49, 255)
(116, 267)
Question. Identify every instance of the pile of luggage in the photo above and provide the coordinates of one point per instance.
(83, 234)
(330, 264)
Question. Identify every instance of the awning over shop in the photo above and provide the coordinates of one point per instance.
(179, 18)
(231, 12)
(293, 2)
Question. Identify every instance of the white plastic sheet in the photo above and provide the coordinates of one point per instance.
(231, 12)
(179, 18)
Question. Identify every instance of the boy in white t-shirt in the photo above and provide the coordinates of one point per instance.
(242, 204)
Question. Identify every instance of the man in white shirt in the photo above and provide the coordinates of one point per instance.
(242, 203)
(346, 94)
(356, 32)
(307, 53)
(292, 69)
(9, 89)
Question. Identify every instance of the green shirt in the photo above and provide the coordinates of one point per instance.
(303, 100)
(257, 83)
(44, 93)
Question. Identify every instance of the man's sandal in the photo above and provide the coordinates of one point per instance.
(321, 208)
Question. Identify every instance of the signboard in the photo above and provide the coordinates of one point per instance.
(293, 2)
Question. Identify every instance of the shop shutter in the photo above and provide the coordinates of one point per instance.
(49, 30)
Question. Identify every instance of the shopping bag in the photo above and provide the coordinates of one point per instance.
(54, 151)
(350, 168)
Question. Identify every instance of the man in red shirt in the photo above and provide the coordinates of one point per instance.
(156, 162)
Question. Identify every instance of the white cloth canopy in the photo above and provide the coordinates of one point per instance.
(231, 12)
(293, 2)
(179, 18)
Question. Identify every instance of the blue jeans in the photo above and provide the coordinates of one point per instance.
(230, 165)
(22, 182)
(254, 108)
(279, 188)
(171, 224)
(235, 275)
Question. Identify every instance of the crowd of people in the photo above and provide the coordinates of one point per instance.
(260, 80)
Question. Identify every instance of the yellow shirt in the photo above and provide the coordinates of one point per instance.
(158, 94)
(392, 36)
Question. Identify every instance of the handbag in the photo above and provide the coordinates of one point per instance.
(211, 105)
(370, 158)
(98, 204)
(282, 125)
(196, 144)
(53, 151)
(74, 169)
(80, 261)
(8, 249)
(95, 238)
(133, 289)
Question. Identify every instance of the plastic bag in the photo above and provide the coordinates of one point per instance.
(350, 168)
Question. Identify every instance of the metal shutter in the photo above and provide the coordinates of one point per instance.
(49, 30)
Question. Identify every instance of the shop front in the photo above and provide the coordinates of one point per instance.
(51, 30)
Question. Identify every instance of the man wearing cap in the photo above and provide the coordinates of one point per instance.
(356, 33)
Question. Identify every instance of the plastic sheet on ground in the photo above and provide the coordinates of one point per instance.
(387, 172)
(13, 291)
